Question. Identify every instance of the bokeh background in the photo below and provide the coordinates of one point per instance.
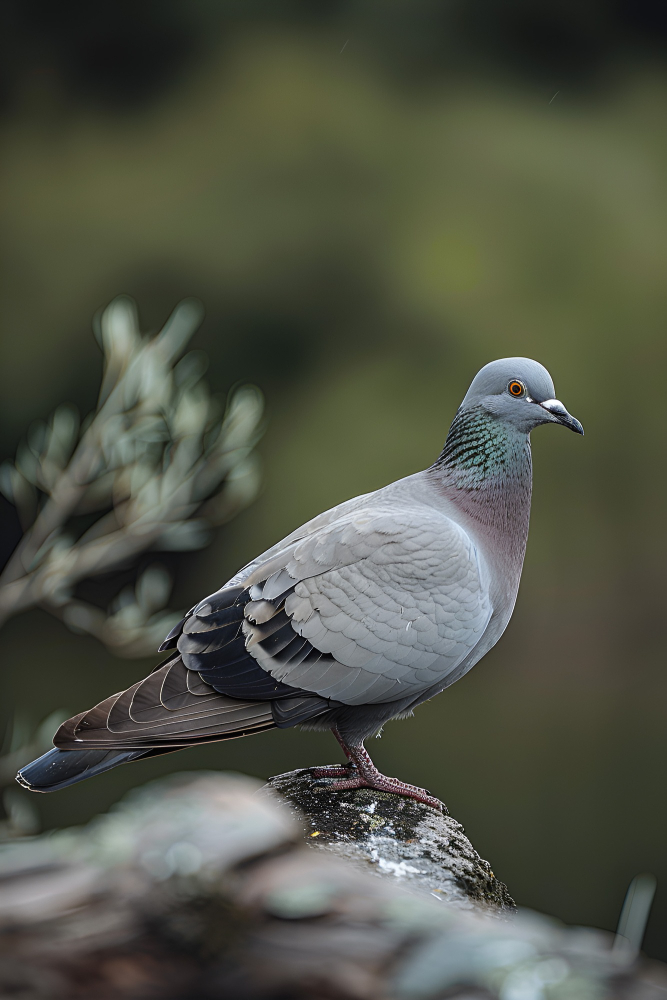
(373, 200)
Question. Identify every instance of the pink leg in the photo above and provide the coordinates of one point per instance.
(336, 770)
(361, 772)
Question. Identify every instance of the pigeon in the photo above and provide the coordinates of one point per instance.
(355, 618)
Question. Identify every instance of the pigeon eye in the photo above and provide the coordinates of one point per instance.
(516, 388)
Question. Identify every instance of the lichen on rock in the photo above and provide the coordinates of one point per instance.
(394, 837)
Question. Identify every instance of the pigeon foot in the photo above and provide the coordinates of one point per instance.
(381, 783)
(361, 772)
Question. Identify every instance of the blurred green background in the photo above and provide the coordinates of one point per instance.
(373, 200)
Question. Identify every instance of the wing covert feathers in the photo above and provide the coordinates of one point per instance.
(371, 605)
(379, 603)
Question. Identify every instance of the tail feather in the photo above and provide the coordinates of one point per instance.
(60, 768)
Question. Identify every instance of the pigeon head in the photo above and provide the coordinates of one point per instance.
(519, 392)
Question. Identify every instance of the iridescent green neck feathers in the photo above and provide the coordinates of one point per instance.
(485, 468)
(481, 449)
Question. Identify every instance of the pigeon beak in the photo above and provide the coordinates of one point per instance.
(560, 414)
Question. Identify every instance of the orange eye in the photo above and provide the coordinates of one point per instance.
(516, 388)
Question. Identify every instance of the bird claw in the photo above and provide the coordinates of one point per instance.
(393, 787)
(350, 778)
(361, 772)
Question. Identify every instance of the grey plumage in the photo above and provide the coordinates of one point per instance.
(365, 611)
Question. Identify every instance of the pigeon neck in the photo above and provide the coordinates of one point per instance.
(485, 470)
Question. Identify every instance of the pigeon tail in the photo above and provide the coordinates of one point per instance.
(60, 768)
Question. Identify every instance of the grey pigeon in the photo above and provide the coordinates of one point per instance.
(355, 618)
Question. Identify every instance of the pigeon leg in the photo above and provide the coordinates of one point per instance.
(361, 772)
(336, 770)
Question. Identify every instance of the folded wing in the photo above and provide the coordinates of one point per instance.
(374, 606)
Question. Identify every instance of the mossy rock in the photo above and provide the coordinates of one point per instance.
(394, 837)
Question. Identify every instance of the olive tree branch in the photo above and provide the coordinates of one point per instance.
(158, 461)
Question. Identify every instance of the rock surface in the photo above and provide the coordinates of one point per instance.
(198, 887)
(393, 837)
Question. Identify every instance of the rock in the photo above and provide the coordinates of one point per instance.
(395, 838)
(197, 886)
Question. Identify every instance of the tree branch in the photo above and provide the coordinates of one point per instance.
(158, 462)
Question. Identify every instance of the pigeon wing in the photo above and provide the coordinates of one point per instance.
(376, 605)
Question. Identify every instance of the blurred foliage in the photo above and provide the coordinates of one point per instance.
(373, 201)
(154, 467)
